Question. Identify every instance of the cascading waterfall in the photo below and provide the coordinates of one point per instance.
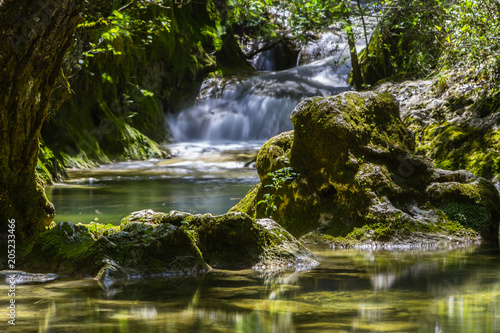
(257, 107)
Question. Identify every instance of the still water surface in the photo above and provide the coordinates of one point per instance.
(453, 290)
(203, 177)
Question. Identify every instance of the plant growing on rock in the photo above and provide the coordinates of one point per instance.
(278, 178)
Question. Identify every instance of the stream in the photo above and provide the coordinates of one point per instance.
(451, 290)
(215, 141)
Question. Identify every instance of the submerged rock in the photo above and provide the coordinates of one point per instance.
(349, 170)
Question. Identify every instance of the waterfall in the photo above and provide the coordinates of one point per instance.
(256, 107)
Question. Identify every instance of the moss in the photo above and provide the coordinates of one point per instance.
(472, 216)
(61, 248)
(274, 155)
(358, 178)
(248, 204)
(463, 146)
(98, 229)
(48, 167)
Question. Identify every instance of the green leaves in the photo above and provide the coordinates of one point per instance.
(279, 178)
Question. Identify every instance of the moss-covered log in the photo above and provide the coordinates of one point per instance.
(35, 36)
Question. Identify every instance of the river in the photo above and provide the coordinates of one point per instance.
(448, 290)
(215, 141)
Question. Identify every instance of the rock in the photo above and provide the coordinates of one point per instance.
(145, 216)
(61, 248)
(22, 277)
(353, 173)
(236, 241)
(154, 244)
(139, 250)
(150, 251)
(285, 251)
(272, 156)
(455, 120)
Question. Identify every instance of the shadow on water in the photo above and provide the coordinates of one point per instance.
(452, 290)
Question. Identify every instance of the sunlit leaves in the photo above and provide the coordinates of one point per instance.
(124, 23)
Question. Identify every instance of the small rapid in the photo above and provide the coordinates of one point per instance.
(256, 107)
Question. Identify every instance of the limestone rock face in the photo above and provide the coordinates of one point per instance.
(349, 170)
(454, 118)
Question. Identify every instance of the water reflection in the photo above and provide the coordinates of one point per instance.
(350, 291)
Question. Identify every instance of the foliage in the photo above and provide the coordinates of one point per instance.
(418, 38)
(472, 35)
(278, 178)
(278, 19)
(126, 21)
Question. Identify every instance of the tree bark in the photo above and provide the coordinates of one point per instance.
(351, 41)
(34, 36)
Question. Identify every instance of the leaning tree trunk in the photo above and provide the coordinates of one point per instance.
(34, 36)
(351, 41)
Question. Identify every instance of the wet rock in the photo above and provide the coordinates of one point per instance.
(236, 241)
(455, 120)
(146, 217)
(139, 250)
(154, 244)
(285, 252)
(61, 248)
(356, 176)
(146, 250)
(22, 277)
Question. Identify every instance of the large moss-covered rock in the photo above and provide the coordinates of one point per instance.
(236, 241)
(152, 243)
(350, 170)
(139, 250)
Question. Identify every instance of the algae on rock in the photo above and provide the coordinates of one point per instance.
(151, 243)
(454, 118)
(358, 177)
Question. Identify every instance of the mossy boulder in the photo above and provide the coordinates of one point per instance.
(152, 243)
(236, 241)
(136, 251)
(352, 172)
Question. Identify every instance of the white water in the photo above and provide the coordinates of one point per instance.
(258, 107)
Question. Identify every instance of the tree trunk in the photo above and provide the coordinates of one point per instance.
(34, 36)
(356, 70)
